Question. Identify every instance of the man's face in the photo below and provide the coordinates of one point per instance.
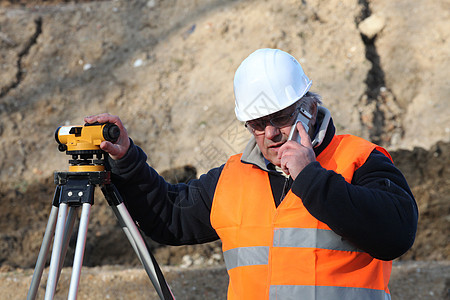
(270, 142)
(273, 137)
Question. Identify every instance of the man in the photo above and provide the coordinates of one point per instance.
(317, 219)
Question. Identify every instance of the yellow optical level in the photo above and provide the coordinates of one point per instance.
(83, 141)
(85, 137)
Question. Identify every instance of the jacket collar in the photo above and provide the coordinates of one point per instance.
(323, 136)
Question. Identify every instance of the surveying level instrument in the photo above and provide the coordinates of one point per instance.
(83, 142)
(75, 189)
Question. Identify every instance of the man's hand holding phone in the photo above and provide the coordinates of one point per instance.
(295, 156)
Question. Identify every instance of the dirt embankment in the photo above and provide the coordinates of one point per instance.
(166, 67)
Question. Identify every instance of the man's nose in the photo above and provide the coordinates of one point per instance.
(271, 131)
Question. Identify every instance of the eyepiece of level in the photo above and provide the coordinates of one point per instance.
(111, 132)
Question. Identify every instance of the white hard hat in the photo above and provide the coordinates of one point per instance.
(267, 81)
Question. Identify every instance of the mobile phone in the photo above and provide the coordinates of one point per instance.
(304, 117)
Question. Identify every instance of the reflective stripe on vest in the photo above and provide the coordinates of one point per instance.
(284, 252)
(246, 256)
(311, 238)
(287, 237)
(287, 292)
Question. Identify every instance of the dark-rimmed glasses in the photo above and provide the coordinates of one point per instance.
(258, 126)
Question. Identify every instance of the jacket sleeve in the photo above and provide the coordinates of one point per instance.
(376, 211)
(173, 214)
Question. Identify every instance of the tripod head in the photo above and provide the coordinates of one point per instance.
(83, 143)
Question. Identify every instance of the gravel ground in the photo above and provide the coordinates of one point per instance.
(409, 280)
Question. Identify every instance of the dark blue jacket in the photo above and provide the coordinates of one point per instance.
(376, 212)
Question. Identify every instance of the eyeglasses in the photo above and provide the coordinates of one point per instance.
(258, 126)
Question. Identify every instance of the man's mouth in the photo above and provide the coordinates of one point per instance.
(276, 146)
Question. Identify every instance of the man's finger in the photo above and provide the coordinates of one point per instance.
(283, 149)
(106, 146)
(304, 136)
(102, 118)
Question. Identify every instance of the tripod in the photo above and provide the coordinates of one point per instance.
(74, 190)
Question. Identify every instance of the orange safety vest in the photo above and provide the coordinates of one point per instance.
(284, 252)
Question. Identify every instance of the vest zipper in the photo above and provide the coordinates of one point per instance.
(286, 187)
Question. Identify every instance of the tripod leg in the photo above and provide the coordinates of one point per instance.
(42, 257)
(79, 251)
(148, 261)
(70, 222)
(142, 251)
(126, 231)
(56, 253)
